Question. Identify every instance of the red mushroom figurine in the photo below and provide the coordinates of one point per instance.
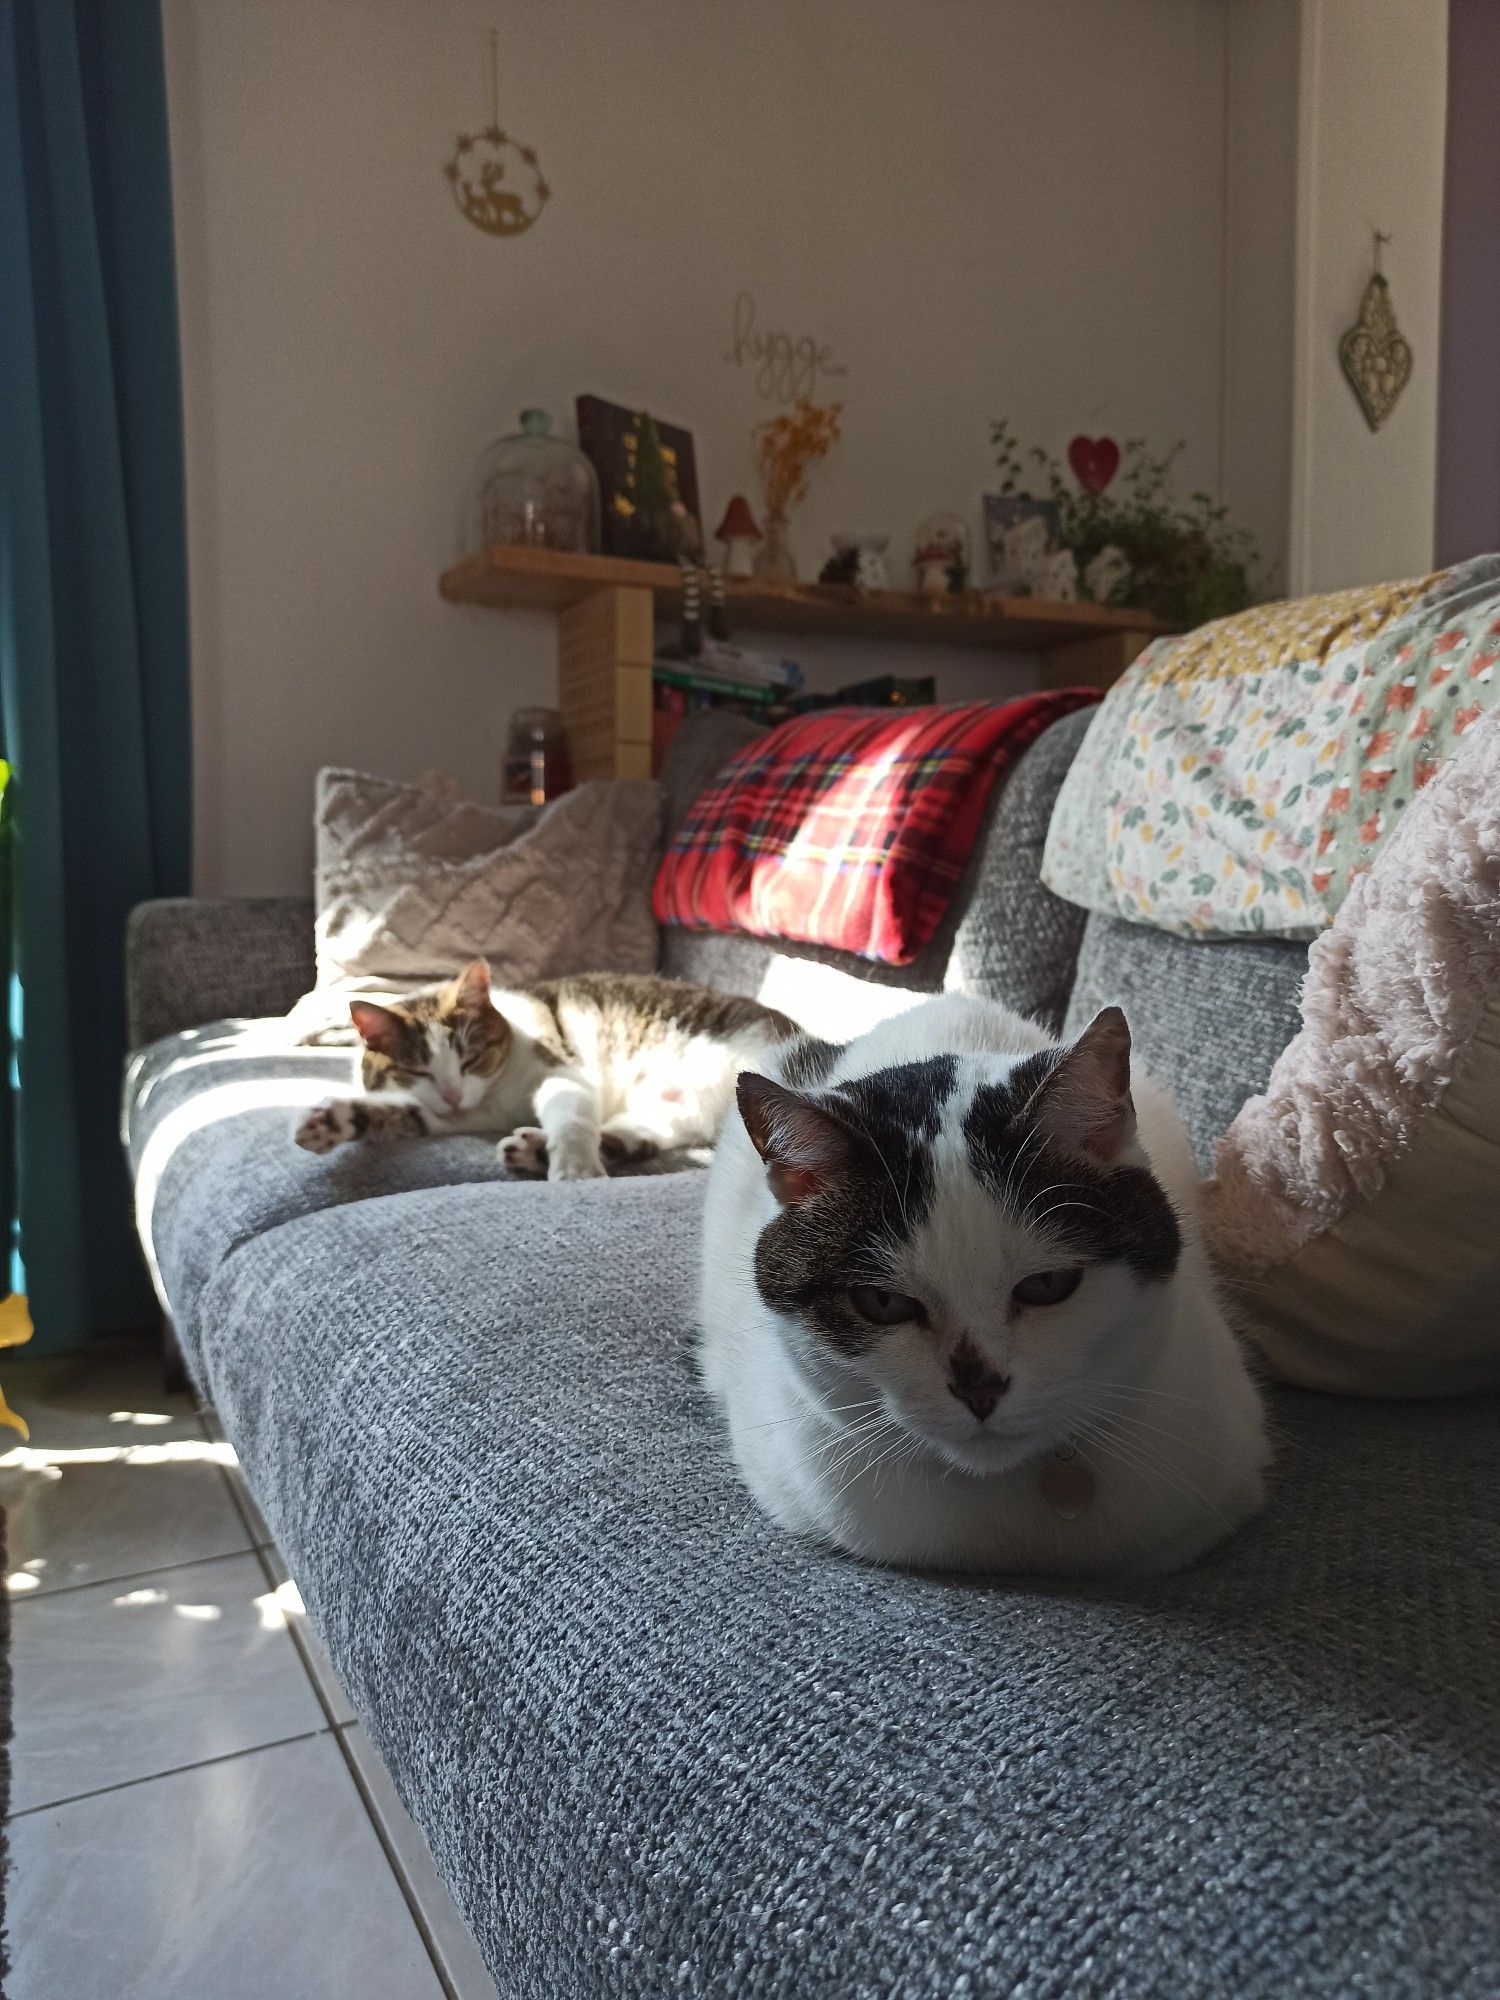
(739, 534)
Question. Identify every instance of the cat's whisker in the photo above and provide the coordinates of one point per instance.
(858, 1446)
(889, 1458)
(811, 1413)
(1142, 1389)
(862, 1427)
(1111, 1451)
(1066, 1188)
(1136, 1424)
(1149, 1461)
(861, 1452)
(909, 1456)
(1119, 1426)
(885, 1165)
(1057, 1209)
(892, 1451)
(1014, 1168)
(1110, 1448)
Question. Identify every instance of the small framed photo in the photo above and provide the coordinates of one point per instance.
(1021, 534)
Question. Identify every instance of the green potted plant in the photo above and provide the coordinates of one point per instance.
(1135, 544)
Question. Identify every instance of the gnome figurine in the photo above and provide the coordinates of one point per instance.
(739, 534)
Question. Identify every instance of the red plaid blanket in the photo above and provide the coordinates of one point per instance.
(850, 827)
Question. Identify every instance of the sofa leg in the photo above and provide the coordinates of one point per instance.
(175, 1379)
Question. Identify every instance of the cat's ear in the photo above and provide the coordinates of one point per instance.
(472, 986)
(379, 1028)
(803, 1148)
(1084, 1105)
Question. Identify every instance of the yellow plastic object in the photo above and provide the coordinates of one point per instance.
(15, 1327)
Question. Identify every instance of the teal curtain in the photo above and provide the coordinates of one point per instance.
(93, 620)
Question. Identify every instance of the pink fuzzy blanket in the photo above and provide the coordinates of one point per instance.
(1393, 999)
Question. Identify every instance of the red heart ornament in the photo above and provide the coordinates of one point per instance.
(1095, 461)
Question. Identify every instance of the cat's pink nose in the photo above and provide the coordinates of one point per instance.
(453, 1096)
(980, 1399)
(973, 1381)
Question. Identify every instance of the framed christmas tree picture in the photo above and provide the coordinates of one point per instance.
(648, 481)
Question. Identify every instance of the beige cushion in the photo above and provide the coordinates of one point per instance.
(1401, 1297)
(413, 881)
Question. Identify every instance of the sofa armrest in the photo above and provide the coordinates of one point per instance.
(191, 959)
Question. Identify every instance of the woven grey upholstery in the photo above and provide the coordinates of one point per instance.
(700, 749)
(191, 959)
(208, 1129)
(208, 1119)
(1016, 941)
(1207, 1018)
(659, 1747)
(726, 960)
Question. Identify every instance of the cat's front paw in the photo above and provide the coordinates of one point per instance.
(620, 1149)
(326, 1126)
(576, 1164)
(524, 1151)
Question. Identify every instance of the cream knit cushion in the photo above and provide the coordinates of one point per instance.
(413, 881)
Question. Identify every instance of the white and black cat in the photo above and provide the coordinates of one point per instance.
(957, 1310)
(567, 1073)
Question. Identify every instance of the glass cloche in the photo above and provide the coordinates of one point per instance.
(534, 489)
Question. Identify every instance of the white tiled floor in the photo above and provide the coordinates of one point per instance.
(194, 1808)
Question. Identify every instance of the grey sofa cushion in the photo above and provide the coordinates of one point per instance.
(1208, 1018)
(208, 1119)
(658, 1747)
(698, 752)
(191, 959)
(1005, 936)
(727, 960)
(1017, 942)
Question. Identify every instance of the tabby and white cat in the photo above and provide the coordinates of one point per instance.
(957, 1310)
(568, 1072)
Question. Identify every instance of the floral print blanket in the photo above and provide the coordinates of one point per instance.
(1237, 780)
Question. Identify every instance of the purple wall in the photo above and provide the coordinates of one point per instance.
(1468, 458)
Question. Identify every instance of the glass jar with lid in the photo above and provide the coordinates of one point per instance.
(536, 766)
(536, 490)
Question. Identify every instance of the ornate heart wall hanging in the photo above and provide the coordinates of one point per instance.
(1375, 354)
(1095, 461)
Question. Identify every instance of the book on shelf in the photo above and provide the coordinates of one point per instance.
(719, 659)
(890, 691)
(683, 674)
(677, 693)
(883, 691)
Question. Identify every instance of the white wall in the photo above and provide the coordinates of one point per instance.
(985, 206)
(1370, 156)
(1260, 198)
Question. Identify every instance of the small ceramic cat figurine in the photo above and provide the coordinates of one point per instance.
(956, 1309)
(567, 1073)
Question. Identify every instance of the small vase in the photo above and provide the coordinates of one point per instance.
(773, 559)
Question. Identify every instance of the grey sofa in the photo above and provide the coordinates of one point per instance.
(659, 1748)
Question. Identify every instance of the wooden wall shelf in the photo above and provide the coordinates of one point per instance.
(608, 606)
